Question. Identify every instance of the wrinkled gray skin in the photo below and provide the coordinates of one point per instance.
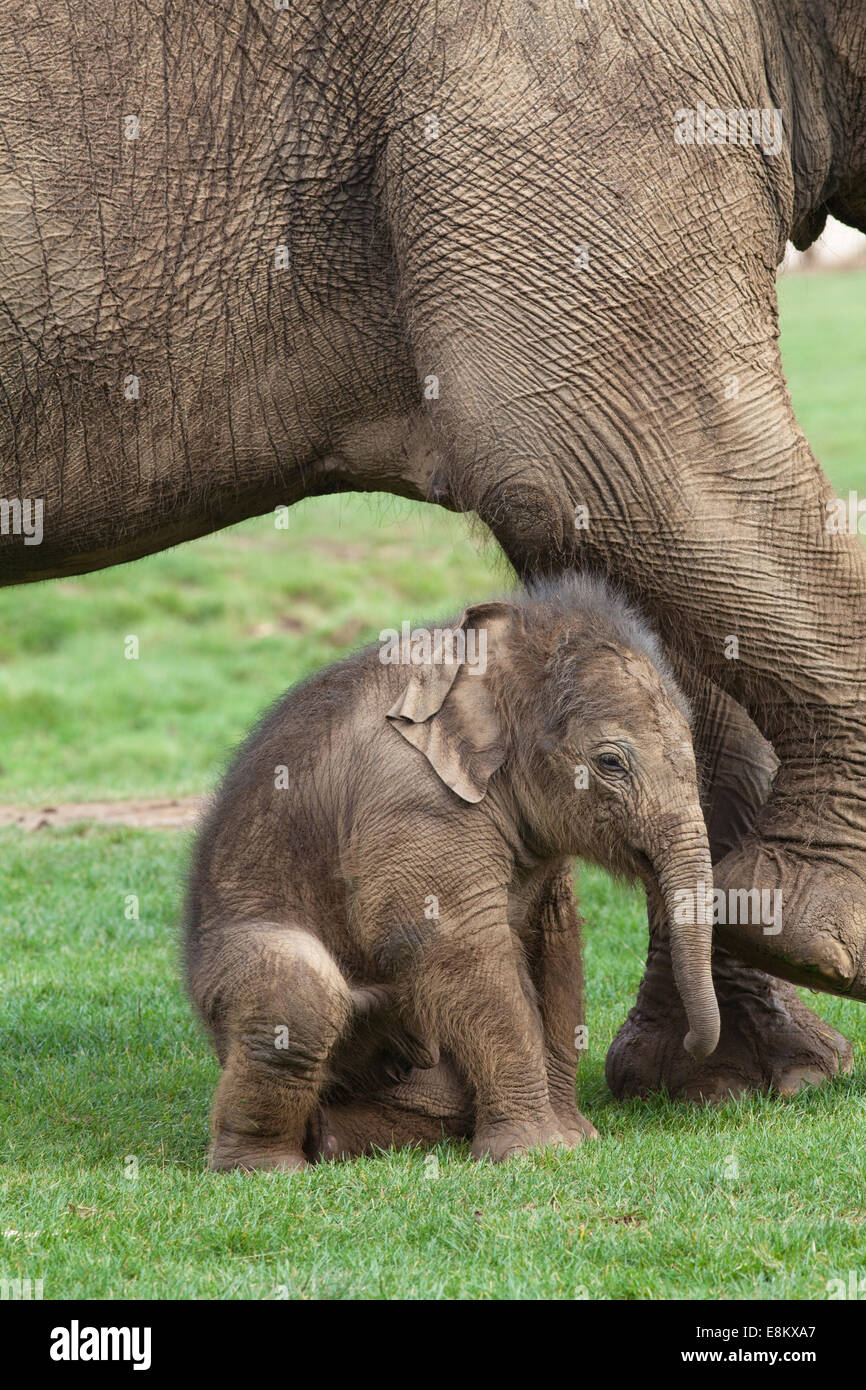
(606, 385)
(396, 903)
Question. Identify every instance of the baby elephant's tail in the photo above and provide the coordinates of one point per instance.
(392, 1028)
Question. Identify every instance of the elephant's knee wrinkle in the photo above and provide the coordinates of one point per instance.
(293, 1048)
(534, 523)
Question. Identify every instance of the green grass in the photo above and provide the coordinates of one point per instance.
(106, 1065)
(224, 625)
(103, 1062)
(824, 353)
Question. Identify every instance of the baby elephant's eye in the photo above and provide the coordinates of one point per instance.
(612, 764)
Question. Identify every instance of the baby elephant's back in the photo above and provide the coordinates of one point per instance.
(272, 839)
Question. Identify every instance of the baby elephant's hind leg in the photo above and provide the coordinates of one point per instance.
(424, 1107)
(276, 1002)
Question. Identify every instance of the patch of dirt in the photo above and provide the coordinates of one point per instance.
(268, 629)
(157, 813)
(348, 635)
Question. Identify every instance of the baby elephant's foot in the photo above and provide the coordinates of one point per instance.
(247, 1151)
(573, 1126)
(505, 1139)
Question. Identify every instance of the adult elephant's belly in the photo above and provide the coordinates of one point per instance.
(136, 424)
(184, 341)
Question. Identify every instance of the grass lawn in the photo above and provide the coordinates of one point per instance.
(823, 321)
(106, 1077)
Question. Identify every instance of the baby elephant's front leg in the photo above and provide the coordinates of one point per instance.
(556, 965)
(465, 988)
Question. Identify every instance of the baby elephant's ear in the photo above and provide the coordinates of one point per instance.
(448, 709)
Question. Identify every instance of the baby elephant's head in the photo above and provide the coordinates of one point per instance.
(560, 707)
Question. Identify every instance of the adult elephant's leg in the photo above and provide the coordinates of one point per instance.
(745, 582)
(769, 1038)
(604, 338)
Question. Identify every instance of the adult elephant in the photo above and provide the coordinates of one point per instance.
(504, 257)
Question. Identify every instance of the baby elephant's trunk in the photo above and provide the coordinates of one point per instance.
(685, 876)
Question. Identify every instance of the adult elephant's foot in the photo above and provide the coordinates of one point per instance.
(770, 1040)
(795, 911)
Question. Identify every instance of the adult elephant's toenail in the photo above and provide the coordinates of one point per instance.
(829, 959)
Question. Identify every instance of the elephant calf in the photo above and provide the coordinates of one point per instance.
(378, 886)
